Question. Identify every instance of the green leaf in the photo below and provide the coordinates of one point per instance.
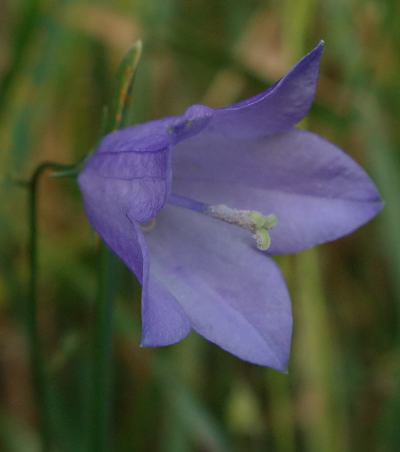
(124, 84)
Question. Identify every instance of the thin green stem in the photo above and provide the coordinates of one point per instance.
(31, 321)
(102, 372)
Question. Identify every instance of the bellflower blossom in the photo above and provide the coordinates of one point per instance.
(195, 205)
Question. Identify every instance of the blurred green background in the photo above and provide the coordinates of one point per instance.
(58, 61)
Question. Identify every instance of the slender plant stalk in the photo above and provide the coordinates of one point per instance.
(31, 321)
(102, 354)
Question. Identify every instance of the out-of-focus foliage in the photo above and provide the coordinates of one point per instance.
(58, 61)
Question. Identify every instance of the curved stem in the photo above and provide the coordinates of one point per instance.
(32, 331)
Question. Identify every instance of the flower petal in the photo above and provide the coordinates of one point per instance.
(278, 108)
(103, 209)
(233, 294)
(133, 165)
(107, 201)
(147, 137)
(143, 197)
(154, 136)
(164, 322)
(112, 207)
(317, 192)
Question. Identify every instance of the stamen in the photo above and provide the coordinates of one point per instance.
(187, 203)
(251, 220)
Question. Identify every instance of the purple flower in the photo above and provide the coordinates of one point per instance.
(195, 205)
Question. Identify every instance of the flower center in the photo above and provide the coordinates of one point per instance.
(253, 221)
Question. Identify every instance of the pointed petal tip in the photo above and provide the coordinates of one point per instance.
(313, 57)
(146, 342)
(279, 107)
(262, 359)
(162, 337)
(281, 363)
(278, 363)
(284, 359)
(379, 204)
(283, 368)
(317, 50)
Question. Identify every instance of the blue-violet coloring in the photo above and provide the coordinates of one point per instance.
(195, 205)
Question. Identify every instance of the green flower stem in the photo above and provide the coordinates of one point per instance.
(31, 323)
(102, 354)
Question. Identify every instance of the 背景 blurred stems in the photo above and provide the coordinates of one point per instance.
(313, 354)
(386, 173)
(381, 154)
(282, 412)
(102, 355)
(29, 20)
(297, 16)
(314, 360)
(183, 409)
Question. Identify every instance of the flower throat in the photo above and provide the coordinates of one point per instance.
(253, 221)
